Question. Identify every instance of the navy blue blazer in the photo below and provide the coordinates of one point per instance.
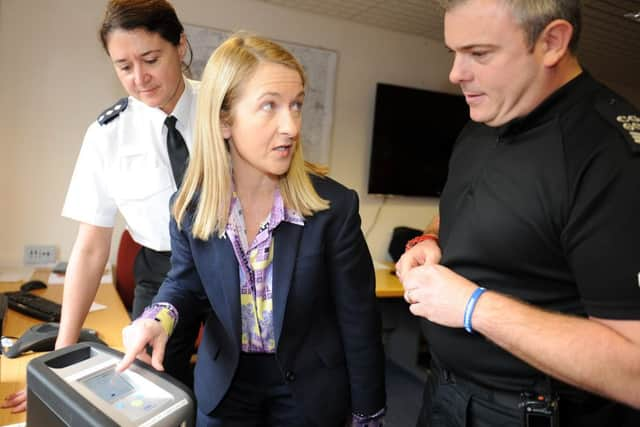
(326, 321)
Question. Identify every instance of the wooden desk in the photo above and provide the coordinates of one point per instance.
(387, 283)
(108, 322)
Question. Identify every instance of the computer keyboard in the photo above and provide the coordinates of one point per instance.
(34, 306)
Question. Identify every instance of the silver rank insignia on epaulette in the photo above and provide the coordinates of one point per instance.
(112, 112)
(631, 124)
(624, 117)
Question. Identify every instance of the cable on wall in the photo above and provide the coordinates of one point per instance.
(375, 218)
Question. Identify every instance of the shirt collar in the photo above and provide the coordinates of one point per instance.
(182, 110)
(277, 215)
(557, 103)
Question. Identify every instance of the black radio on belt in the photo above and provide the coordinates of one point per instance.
(539, 410)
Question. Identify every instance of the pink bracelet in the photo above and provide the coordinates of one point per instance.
(411, 243)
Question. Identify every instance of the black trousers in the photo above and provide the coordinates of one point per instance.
(150, 270)
(258, 397)
(452, 401)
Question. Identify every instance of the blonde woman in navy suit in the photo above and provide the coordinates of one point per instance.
(276, 249)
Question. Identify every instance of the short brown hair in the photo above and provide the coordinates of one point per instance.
(535, 15)
(155, 16)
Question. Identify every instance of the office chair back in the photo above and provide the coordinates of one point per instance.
(399, 238)
(125, 282)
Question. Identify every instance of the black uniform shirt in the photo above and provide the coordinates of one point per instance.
(545, 209)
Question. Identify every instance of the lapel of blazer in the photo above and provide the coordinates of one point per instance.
(225, 266)
(286, 241)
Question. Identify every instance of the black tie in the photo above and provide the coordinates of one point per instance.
(178, 153)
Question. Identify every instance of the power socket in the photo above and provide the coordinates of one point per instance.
(39, 254)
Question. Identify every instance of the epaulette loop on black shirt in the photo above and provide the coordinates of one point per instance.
(112, 112)
(624, 117)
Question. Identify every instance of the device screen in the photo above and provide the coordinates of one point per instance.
(108, 385)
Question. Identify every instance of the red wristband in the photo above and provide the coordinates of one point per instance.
(411, 243)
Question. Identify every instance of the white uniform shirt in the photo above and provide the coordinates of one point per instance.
(124, 165)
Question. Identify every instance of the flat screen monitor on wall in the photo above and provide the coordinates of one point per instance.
(413, 134)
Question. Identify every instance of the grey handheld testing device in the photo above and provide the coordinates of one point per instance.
(78, 386)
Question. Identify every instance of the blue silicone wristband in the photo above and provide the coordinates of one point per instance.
(471, 304)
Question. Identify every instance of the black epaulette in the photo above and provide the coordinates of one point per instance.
(112, 112)
(624, 117)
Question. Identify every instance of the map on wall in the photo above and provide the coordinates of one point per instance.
(320, 67)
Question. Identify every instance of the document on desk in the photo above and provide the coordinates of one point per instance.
(96, 307)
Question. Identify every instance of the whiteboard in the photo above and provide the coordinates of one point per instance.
(320, 67)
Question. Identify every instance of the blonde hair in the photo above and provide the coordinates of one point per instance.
(207, 188)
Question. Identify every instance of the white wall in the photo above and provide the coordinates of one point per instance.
(55, 79)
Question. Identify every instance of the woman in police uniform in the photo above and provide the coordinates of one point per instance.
(124, 166)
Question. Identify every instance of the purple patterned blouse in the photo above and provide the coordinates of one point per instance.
(256, 272)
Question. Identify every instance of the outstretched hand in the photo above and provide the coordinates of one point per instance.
(136, 337)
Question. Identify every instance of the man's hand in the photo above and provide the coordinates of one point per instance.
(424, 253)
(438, 294)
(135, 338)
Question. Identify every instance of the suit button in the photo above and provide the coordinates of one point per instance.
(289, 376)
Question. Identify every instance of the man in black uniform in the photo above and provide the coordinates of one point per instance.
(530, 283)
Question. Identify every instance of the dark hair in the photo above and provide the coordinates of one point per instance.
(155, 16)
